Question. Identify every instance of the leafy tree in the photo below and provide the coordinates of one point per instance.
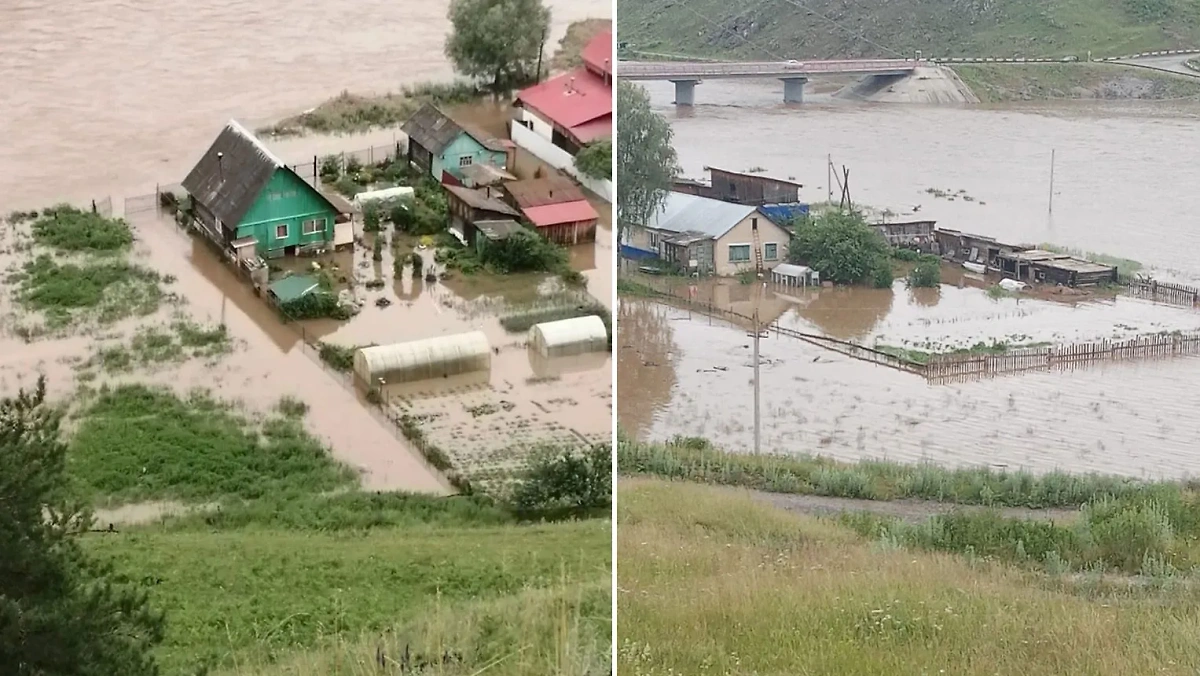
(62, 613)
(595, 160)
(843, 248)
(523, 251)
(497, 41)
(646, 162)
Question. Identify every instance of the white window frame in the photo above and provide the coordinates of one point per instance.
(286, 231)
(749, 252)
(465, 161)
(319, 229)
(768, 257)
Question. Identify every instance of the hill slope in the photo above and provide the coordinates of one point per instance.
(713, 581)
(762, 29)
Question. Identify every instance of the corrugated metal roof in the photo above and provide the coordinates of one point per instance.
(556, 214)
(791, 270)
(691, 213)
(497, 230)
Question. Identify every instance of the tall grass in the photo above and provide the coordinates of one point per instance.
(140, 443)
(695, 459)
(251, 600)
(714, 582)
(109, 290)
(69, 229)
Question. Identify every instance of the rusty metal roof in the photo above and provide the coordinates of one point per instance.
(538, 192)
(477, 199)
(229, 177)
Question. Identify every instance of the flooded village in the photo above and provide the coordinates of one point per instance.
(464, 253)
(1023, 351)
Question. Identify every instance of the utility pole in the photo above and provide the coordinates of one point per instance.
(541, 51)
(761, 284)
(829, 178)
(1050, 208)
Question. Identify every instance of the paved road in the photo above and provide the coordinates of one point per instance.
(1172, 63)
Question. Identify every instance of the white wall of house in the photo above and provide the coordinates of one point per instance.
(734, 251)
(558, 158)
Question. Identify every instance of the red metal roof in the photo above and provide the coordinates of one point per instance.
(572, 100)
(557, 214)
(598, 53)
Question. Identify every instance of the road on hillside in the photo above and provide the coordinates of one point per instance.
(1171, 63)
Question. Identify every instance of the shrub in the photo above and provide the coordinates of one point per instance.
(418, 263)
(319, 305)
(595, 160)
(377, 250)
(372, 218)
(843, 248)
(1124, 534)
(331, 168)
(523, 251)
(339, 357)
(926, 274)
(560, 478)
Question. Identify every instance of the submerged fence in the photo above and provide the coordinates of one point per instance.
(1165, 292)
(945, 368)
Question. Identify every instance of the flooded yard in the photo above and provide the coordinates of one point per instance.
(681, 373)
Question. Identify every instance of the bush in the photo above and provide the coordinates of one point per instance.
(65, 227)
(906, 255)
(377, 250)
(595, 160)
(331, 168)
(927, 273)
(560, 478)
(319, 305)
(339, 357)
(418, 263)
(843, 248)
(372, 218)
(1123, 534)
(524, 251)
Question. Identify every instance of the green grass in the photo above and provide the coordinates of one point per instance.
(140, 443)
(69, 229)
(254, 596)
(1001, 83)
(350, 113)
(629, 287)
(711, 582)
(828, 28)
(996, 347)
(156, 345)
(694, 459)
(107, 291)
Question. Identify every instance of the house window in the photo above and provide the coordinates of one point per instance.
(281, 231)
(739, 253)
(771, 251)
(314, 226)
(466, 161)
(654, 241)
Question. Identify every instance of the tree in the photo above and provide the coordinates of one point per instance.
(927, 273)
(497, 41)
(62, 613)
(595, 160)
(646, 162)
(843, 248)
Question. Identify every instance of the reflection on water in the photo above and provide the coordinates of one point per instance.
(1129, 418)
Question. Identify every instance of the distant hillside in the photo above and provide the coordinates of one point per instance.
(757, 29)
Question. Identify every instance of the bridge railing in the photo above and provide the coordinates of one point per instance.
(675, 69)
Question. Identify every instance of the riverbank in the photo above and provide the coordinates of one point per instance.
(696, 561)
(1003, 83)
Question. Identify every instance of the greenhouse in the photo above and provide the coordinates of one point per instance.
(424, 359)
(570, 336)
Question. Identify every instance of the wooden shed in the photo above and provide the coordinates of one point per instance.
(557, 208)
(753, 189)
(468, 207)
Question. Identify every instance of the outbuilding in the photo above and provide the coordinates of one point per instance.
(424, 359)
(567, 337)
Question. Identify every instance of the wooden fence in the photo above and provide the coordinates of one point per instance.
(946, 368)
(1165, 292)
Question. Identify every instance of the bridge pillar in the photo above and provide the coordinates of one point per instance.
(685, 92)
(793, 89)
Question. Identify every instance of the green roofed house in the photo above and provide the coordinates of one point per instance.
(292, 287)
(247, 199)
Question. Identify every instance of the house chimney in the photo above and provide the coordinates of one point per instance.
(221, 166)
(571, 86)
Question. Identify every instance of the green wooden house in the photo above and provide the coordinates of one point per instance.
(438, 144)
(247, 199)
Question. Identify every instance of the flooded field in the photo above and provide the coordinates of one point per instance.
(692, 376)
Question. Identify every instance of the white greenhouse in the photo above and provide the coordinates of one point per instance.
(439, 357)
(569, 336)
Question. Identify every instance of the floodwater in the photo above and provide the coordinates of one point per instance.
(124, 97)
(685, 374)
(1123, 171)
(1122, 180)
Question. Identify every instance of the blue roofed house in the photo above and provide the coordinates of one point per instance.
(441, 146)
(707, 236)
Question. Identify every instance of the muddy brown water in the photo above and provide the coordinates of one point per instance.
(1123, 170)
(681, 373)
(134, 103)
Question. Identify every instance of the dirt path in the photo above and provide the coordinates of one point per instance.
(909, 510)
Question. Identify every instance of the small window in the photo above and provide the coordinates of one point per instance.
(654, 241)
(771, 251)
(466, 161)
(739, 253)
(281, 231)
(314, 226)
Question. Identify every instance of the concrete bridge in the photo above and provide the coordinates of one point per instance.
(687, 74)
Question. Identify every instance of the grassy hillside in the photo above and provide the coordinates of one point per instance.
(713, 581)
(833, 28)
(255, 595)
(994, 83)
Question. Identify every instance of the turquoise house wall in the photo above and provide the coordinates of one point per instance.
(286, 199)
(464, 146)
